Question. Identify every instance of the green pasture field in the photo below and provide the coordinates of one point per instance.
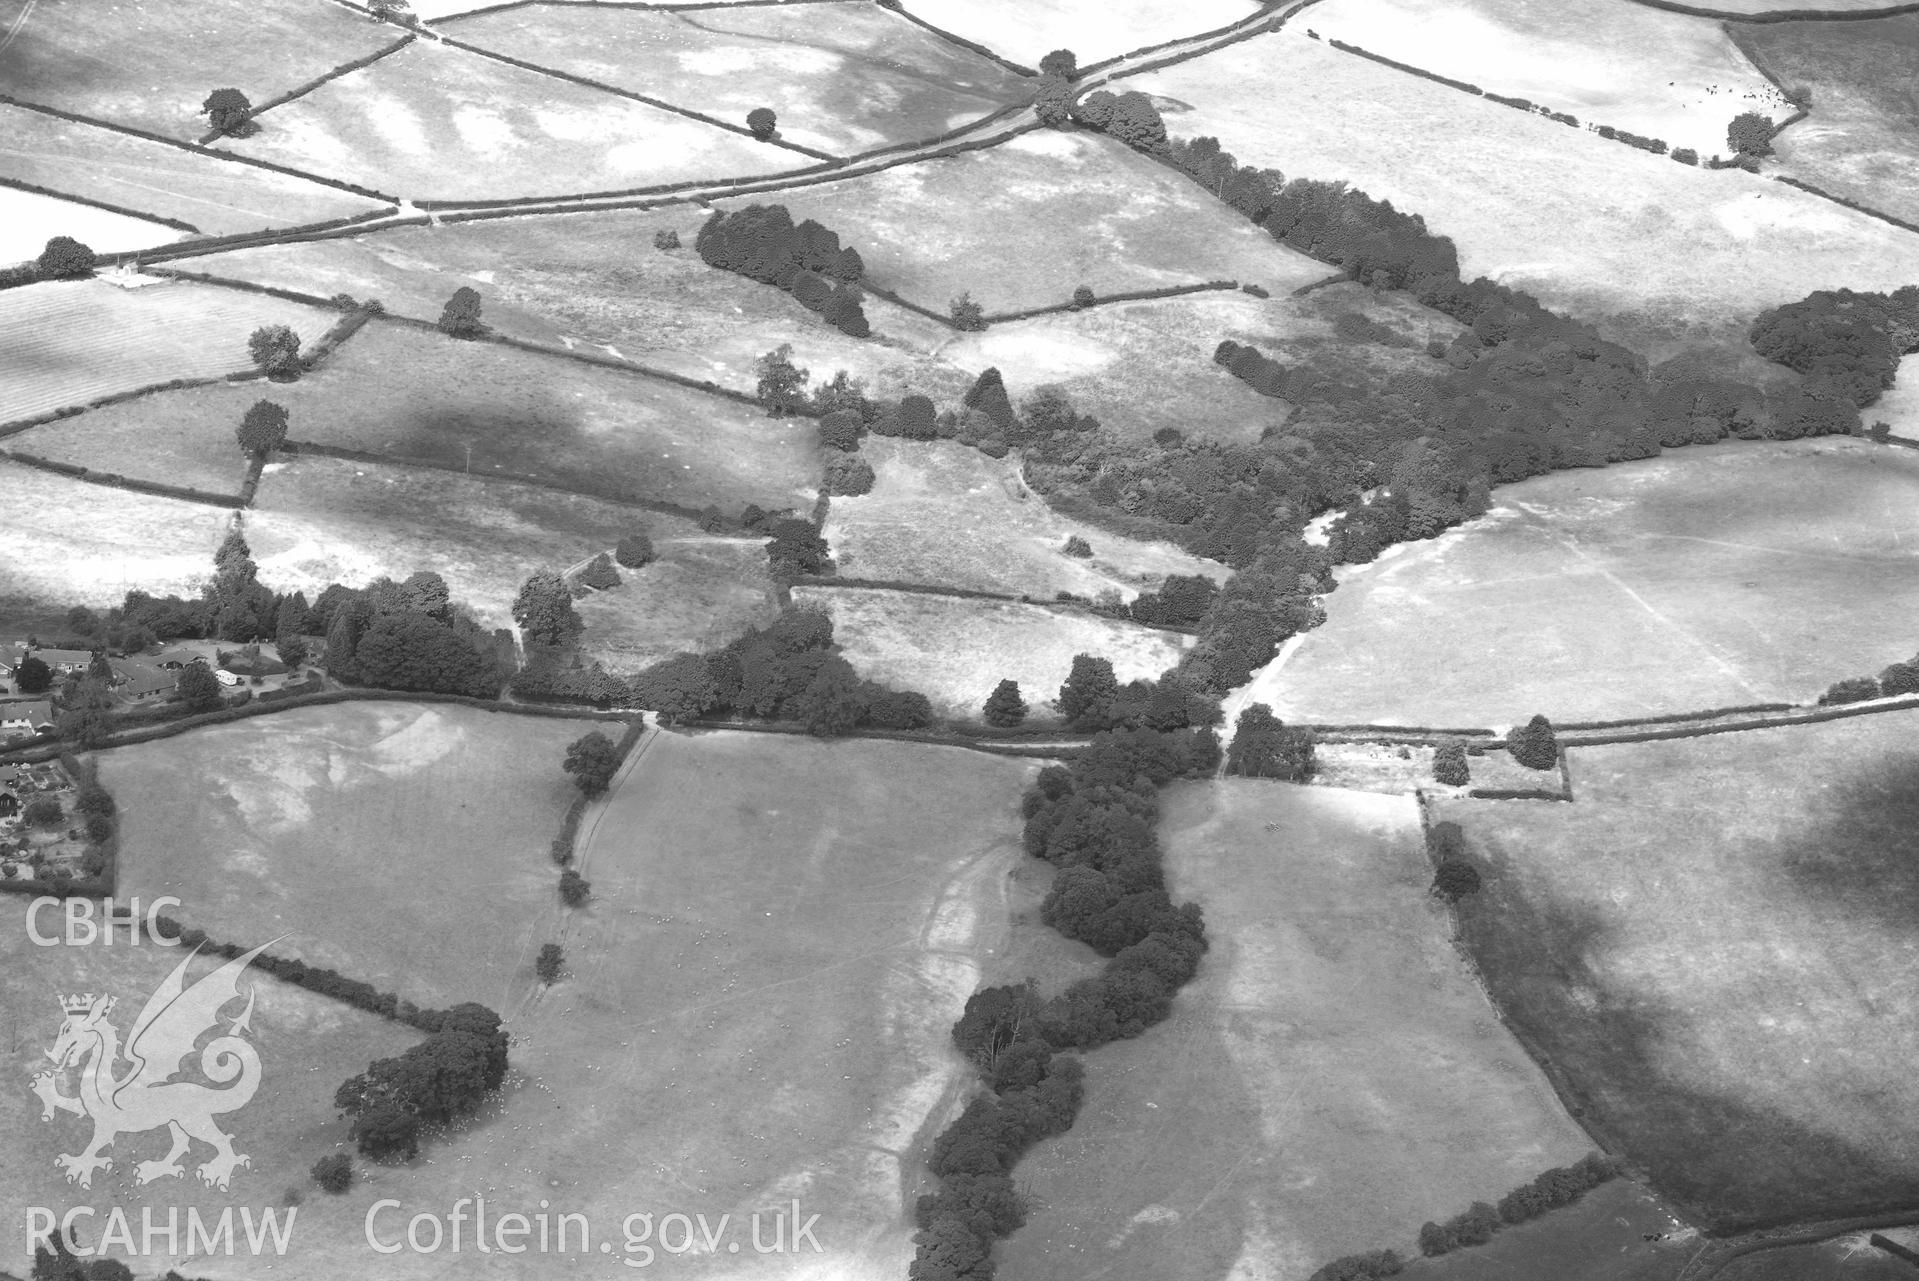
(1142, 366)
(756, 1001)
(949, 516)
(841, 78)
(29, 220)
(182, 437)
(346, 827)
(1717, 576)
(1715, 945)
(317, 521)
(1858, 141)
(415, 394)
(1659, 255)
(308, 1044)
(1852, 1257)
(436, 122)
(68, 543)
(1600, 1237)
(701, 593)
(1026, 223)
(956, 651)
(52, 336)
(220, 197)
(596, 280)
(1027, 33)
(1664, 75)
(1332, 1079)
(151, 66)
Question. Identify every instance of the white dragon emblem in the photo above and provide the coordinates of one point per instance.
(143, 1097)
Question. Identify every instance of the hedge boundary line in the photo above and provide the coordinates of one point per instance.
(1812, 716)
(69, 411)
(308, 448)
(998, 113)
(569, 202)
(657, 103)
(122, 210)
(250, 484)
(1671, 717)
(1783, 15)
(113, 480)
(1132, 295)
(264, 238)
(1845, 201)
(961, 41)
(1265, 14)
(235, 157)
(244, 286)
(1264, 22)
(344, 69)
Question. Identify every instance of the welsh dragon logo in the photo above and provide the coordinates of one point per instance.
(143, 1095)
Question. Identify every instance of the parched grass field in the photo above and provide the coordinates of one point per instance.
(29, 220)
(1664, 75)
(436, 122)
(65, 540)
(701, 593)
(322, 520)
(1658, 254)
(53, 336)
(1332, 1079)
(180, 437)
(1711, 577)
(1858, 141)
(1142, 366)
(220, 197)
(1027, 222)
(841, 78)
(345, 827)
(407, 393)
(1027, 33)
(949, 516)
(596, 279)
(308, 1044)
(151, 66)
(955, 651)
(1715, 944)
(757, 1000)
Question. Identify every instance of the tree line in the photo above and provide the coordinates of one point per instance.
(763, 243)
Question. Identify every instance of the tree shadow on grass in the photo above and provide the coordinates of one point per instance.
(1859, 851)
(1730, 1163)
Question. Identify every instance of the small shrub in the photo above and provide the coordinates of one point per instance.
(334, 1173)
(1685, 155)
(634, 551)
(1083, 296)
(666, 238)
(1880, 431)
(600, 574)
(43, 811)
(967, 314)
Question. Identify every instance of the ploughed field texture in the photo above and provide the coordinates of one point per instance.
(1331, 1079)
(1712, 577)
(54, 335)
(1715, 945)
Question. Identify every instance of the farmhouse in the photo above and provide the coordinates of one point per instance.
(25, 719)
(62, 661)
(142, 682)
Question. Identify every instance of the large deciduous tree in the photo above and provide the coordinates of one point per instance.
(1004, 707)
(65, 258)
(229, 112)
(592, 760)
(276, 349)
(460, 318)
(263, 428)
(544, 610)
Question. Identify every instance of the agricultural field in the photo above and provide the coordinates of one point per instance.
(150, 67)
(1687, 999)
(308, 1044)
(180, 437)
(756, 1001)
(1026, 223)
(955, 650)
(1658, 255)
(1600, 1237)
(1027, 33)
(65, 540)
(1663, 75)
(1858, 141)
(413, 394)
(1332, 1079)
(701, 593)
(338, 826)
(1851, 1257)
(1142, 366)
(219, 196)
(1772, 6)
(841, 78)
(948, 516)
(595, 281)
(317, 521)
(30, 220)
(436, 122)
(51, 335)
(1711, 577)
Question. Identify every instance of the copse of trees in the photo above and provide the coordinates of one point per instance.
(1477, 1225)
(410, 636)
(1750, 134)
(1841, 341)
(1534, 744)
(1130, 117)
(544, 610)
(1264, 746)
(762, 243)
(441, 1079)
(65, 258)
(1253, 367)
